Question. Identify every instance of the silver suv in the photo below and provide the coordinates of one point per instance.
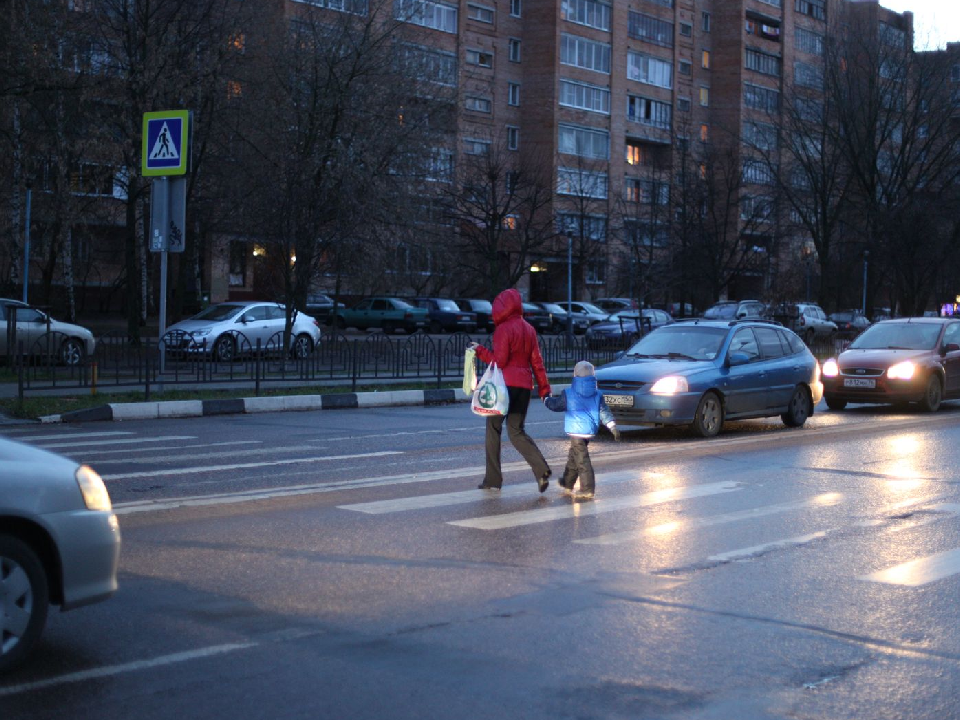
(806, 319)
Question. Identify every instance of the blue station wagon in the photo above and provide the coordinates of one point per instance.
(703, 372)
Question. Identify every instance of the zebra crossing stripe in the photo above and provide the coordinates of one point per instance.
(921, 571)
(596, 507)
(823, 500)
(91, 444)
(464, 497)
(757, 550)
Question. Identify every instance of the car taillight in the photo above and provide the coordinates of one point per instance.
(408, 316)
(803, 321)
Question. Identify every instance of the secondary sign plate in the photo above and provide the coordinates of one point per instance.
(166, 143)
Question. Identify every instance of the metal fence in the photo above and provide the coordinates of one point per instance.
(180, 361)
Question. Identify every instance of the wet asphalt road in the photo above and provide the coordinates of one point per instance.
(341, 564)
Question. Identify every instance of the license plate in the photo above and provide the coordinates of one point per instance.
(859, 383)
(619, 400)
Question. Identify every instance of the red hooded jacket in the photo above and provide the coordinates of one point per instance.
(515, 346)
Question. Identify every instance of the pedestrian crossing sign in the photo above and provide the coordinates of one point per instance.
(166, 143)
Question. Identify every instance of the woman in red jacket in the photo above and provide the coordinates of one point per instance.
(516, 351)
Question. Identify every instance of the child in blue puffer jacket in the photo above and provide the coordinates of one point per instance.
(585, 411)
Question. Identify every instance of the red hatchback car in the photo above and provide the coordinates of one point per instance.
(895, 361)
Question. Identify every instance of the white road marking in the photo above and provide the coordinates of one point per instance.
(919, 572)
(99, 453)
(756, 550)
(71, 435)
(243, 466)
(422, 502)
(595, 507)
(205, 456)
(130, 441)
(824, 500)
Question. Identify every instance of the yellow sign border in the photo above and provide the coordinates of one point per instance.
(181, 169)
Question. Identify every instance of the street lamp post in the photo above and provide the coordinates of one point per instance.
(866, 255)
(569, 284)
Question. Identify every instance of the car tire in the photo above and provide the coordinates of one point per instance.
(340, 324)
(25, 593)
(708, 419)
(71, 352)
(436, 328)
(835, 403)
(302, 347)
(410, 330)
(224, 349)
(799, 408)
(932, 395)
(809, 336)
(389, 328)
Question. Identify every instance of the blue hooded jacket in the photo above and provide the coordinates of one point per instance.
(584, 407)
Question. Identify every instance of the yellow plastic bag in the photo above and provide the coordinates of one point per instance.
(469, 371)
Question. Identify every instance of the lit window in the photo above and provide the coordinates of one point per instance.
(706, 59)
(704, 96)
(704, 133)
(234, 90)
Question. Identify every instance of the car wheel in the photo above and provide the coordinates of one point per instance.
(932, 396)
(436, 328)
(224, 349)
(71, 352)
(808, 337)
(410, 330)
(835, 403)
(709, 416)
(389, 328)
(302, 347)
(24, 597)
(799, 408)
(340, 324)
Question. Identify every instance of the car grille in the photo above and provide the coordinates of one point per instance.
(620, 384)
(861, 372)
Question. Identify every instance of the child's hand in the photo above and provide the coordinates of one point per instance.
(616, 433)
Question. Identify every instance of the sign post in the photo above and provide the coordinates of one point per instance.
(165, 157)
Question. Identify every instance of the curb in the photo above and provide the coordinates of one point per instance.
(279, 403)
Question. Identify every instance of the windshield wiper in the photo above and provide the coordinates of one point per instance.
(639, 355)
(674, 356)
(897, 347)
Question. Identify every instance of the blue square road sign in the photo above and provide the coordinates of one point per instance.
(166, 143)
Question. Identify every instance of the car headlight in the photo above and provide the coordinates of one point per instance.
(202, 332)
(94, 492)
(901, 371)
(830, 368)
(670, 385)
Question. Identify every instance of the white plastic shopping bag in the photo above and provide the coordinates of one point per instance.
(490, 397)
(469, 371)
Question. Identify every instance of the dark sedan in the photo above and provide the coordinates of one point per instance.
(897, 361)
(445, 315)
(701, 373)
(558, 316)
(538, 317)
(483, 309)
(850, 323)
(624, 328)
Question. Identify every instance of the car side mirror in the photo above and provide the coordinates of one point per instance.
(244, 319)
(738, 358)
(742, 314)
(951, 347)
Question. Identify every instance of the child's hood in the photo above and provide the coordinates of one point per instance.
(585, 386)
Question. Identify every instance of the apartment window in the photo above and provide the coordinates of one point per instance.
(686, 29)
(514, 50)
(591, 227)
(357, 7)
(438, 16)
(480, 13)
(429, 65)
(513, 137)
(813, 8)
(761, 136)
(96, 180)
(891, 35)
(955, 73)
(438, 165)
(764, 30)
(479, 104)
(515, 8)
(649, 70)
(584, 96)
(683, 104)
(757, 207)
(757, 172)
(513, 94)
(651, 29)
(704, 133)
(646, 192)
(684, 67)
(762, 62)
(586, 12)
(480, 58)
(809, 42)
(595, 272)
(665, 3)
(807, 75)
(234, 90)
(704, 97)
(705, 21)
(476, 147)
(774, 3)
(583, 142)
(808, 109)
(637, 153)
(238, 263)
(583, 53)
(705, 61)
(761, 98)
(573, 181)
(648, 112)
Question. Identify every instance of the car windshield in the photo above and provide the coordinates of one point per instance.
(448, 305)
(402, 304)
(592, 309)
(219, 312)
(721, 312)
(554, 308)
(528, 307)
(481, 305)
(842, 317)
(686, 342)
(898, 336)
